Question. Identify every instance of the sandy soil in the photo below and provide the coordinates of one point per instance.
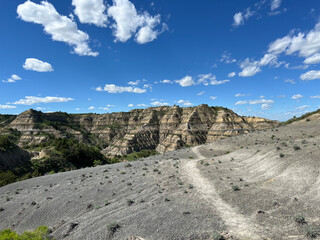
(253, 186)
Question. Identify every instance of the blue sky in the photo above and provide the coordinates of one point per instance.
(258, 58)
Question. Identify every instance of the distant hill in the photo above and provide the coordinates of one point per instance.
(60, 141)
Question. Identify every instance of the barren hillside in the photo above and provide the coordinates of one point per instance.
(261, 185)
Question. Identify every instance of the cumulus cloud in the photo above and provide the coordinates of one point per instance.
(7, 106)
(275, 4)
(297, 96)
(315, 97)
(91, 108)
(61, 28)
(307, 45)
(201, 93)
(91, 11)
(30, 100)
(187, 81)
(130, 105)
(129, 22)
(213, 98)
(185, 103)
(111, 88)
(159, 104)
(12, 79)
(311, 75)
(37, 65)
(232, 74)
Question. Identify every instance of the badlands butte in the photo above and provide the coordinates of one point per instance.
(208, 174)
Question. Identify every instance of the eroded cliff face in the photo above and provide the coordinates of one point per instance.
(160, 128)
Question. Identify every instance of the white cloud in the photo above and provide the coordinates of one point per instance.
(213, 98)
(77, 109)
(111, 88)
(250, 68)
(128, 21)
(41, 108)
(158, 104)
(142, 105)
(279, 45)
(249, 71)
(254, 102)
(290, 81)
(232, 74)
(315, 97)
(275, 4)
(7, 107)
(266, 106)
(240, 17)
(130, 105)
(203, 78)
(302, 66)
(12, 79)
(30, 100)
(241, 95)
(313, 59)
(216, 82)
(104, 108)
(311, 75)
(91, 11)
(37, 65)
(61, 28)
(166, 81)
(201, 93)
(187, 81)
(297, 96)
(91, 108)
(185, 103)
(304, 107)
(134, 83)
(307, 45)
(226, 58)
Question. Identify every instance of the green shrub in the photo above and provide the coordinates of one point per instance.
(311, 231)
(6, 144)
(7, 177)
(113, 227)
(235, 188)
(41, 233)
(299, 219)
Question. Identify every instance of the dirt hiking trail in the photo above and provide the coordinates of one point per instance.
(237, 224)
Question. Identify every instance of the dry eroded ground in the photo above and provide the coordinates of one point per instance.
(251, 186)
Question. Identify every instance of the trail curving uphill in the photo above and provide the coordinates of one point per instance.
(235, 222)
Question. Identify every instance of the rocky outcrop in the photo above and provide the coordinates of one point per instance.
(160, 128)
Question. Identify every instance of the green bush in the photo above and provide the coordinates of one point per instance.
(41, 233)
(7, 177)
(6, 144)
